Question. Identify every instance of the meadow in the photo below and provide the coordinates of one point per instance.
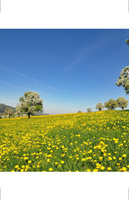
(90, 142)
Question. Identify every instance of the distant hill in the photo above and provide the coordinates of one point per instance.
(3, 107)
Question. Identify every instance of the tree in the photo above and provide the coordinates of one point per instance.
(30, 103)
(89, 110)
(127, 41)
(79, 111)
(122, 102)
(18, 110)
(124, 79)
(8, 111)
(99, 106)
(111, 104)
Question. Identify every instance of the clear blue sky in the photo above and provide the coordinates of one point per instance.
(71, 69)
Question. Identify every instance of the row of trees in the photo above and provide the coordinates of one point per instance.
(30, 102)
(121, 102)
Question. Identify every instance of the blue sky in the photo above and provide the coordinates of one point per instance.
(71, 69)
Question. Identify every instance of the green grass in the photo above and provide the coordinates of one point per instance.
(95, 141)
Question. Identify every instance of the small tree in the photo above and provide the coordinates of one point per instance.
(122, 102)
(8, 111)
(124, 79)
(89, 110)
(99, 106)
(79, 111)
(30, 103)
(111, 104)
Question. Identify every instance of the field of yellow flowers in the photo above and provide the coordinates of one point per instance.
(97, 141)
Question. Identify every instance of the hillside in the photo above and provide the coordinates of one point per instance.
(96, 142)
(3, 107)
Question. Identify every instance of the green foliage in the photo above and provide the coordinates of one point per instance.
(122, 102)
(124, 79)
(111, 104)
(38, 108)
(99, 106)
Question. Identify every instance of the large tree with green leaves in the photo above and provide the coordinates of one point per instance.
(122, 102)
(111, 104)
(30, 102)
(124, 79)
(99, 106)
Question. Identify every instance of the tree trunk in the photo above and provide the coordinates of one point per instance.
(28, 115)
(122, 108)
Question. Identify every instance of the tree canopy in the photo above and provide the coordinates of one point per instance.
(30, 102)
(124, 79)
(111, 104)
(127, 41)
(99, 106)
(122, 102)
(89, 110)
(8, 111)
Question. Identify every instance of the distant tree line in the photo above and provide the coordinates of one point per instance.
(112, 104)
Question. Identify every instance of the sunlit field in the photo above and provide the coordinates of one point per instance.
(96, 141)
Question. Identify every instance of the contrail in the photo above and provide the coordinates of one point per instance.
(45, 94)
(9, 84)
(20, 74)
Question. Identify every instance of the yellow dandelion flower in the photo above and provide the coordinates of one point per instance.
(109, 168)
(109, 158)
(16, 166)
(102, 168)
(95, 170)
(50, 169)
(124, 155)
(123, 169)
(88, 170)
(26, 158)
